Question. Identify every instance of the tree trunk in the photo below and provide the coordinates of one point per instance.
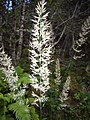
(19, 52)
(1, 42)
(14, 39)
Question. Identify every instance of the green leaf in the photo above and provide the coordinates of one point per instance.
(2, 117)
(32, 109)
(77, 96)
(19, 70)
(20, 110)
(31, 100)
(25, 78)
(5, 97)
(34, 116)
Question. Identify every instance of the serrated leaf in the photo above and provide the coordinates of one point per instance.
(20, 110)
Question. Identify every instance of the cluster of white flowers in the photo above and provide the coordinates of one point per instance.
(76, 46)
(10, 76)
(8, 69)
(40, 50)
(57, 72)
(66, 88)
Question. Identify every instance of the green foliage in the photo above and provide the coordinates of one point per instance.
(10, 107)
(79, 95)
(19, 71)
(5, 98)
(33, 114)
(24, 61)
(3, 84)
(21, 111)
(23, 76)
(31, 100)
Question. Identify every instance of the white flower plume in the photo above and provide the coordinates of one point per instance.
(66, 88)
(76, 46)
(57, 72)
(8, 69)
(10, 76)
(40, 49)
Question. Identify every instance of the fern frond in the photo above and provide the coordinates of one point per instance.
(5, 98)
(21, 111)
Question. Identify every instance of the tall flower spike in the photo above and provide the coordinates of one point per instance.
(40, 51)
(58, 75)
(64, 94)
(76, 46)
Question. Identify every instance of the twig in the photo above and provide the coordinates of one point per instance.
(68, 18)
(60, 36)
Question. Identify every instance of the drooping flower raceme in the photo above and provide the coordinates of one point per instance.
(83, 38)
(40, 51)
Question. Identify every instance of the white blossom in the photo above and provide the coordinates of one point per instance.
(66, 88)
(57, 72)
(11, 77)
(78, 43)
(41, 50)
(8, 69)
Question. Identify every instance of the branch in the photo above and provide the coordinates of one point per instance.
(68, 18)
(60, 36)
(24, 30)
